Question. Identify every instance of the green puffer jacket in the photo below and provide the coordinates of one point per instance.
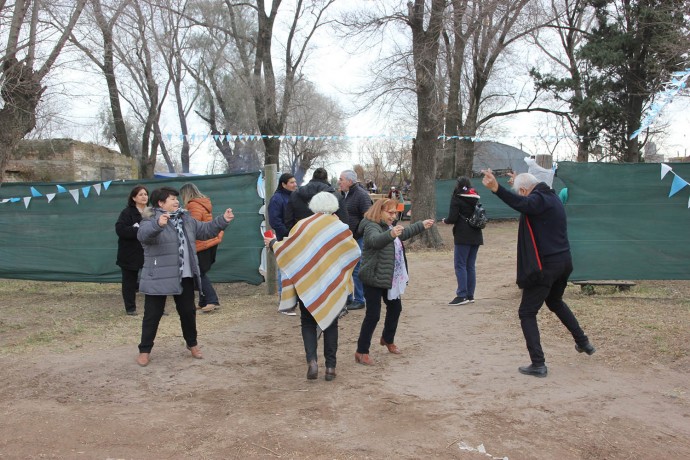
(378, 252)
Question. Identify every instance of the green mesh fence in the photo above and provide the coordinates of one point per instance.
(623, 225)
(61, 240)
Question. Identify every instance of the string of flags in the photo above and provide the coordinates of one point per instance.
(678, 182)
(196, 137)
(671, 89)
(85, 191)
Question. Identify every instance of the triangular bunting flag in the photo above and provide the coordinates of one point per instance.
(85, 191)
(677, 185)
(75, 195)
(35, 192)
(5, 200)
(50, 196)
(27, 200)
(97, 187)
(664, 169)
(61, 189)
(14, 199)
(106, 184)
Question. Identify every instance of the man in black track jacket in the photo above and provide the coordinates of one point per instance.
(544, 262)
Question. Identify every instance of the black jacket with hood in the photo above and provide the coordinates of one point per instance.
(298, 206)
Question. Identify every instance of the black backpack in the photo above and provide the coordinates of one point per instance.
(478, 218)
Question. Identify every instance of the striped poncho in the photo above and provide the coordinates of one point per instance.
(317, 259)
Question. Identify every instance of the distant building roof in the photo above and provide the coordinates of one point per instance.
(497, 156)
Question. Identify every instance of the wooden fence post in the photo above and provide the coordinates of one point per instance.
(270, 184)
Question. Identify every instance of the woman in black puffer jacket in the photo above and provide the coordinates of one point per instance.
(130, 254)
(467, 240)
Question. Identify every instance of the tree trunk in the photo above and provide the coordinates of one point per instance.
(425, 45)
(21, 92)
(114, 94)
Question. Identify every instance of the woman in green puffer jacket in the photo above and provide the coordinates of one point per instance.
(383, 273)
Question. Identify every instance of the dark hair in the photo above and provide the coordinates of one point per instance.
(135, 191)
(320, 174)
(463, 185)
(162, 194)
(284, 178)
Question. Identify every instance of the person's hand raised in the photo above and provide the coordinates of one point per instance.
(397, 231)
(163, 219)
(228, 215)
(489, 180)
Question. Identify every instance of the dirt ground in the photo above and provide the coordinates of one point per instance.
(70, 388)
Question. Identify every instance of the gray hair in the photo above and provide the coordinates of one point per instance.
(525, 181)
(349, 175)
(324, 203)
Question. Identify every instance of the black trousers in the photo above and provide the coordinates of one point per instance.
(556, 272)
(310, 337)
(153, 311)
(373, 296)
(130, 284)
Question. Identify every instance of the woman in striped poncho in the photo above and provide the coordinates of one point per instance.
(317, 259)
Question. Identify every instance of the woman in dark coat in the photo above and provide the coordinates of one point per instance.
(130, 254)
(467, 240)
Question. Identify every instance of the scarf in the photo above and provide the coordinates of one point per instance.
(317, 259)
(400, 276)
(176, 220)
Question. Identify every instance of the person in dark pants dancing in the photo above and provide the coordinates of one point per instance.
(383, 273)
(168, 235)
(544, 262)
(317, 259)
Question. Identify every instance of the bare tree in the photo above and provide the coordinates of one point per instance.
(387, 162)
(318, 124)
(105, 16)
(30, 53)
(256, 64)
(480, 34)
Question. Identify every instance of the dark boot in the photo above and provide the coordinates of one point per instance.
(312, 370)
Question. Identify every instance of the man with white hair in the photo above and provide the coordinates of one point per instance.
(544, 262)
(357, 202)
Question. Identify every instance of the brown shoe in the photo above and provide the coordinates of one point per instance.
(196, 352)
(363, 358)
(392, 348)
(143, 359)
(209, 308)
(312, 370)
(330, 373)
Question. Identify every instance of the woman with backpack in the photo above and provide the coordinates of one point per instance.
(467, 240)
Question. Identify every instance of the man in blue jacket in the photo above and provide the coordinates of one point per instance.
(357, 202)
(543, 262)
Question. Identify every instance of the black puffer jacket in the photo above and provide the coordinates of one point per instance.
(298, 206)
(461, 208)
(130, 254)
(357, 202)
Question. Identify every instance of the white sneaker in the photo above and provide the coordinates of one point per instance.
(289, 312)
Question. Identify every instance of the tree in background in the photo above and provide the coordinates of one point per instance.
(32, 46)
(628, 55)
(314, 126)
(387, 162)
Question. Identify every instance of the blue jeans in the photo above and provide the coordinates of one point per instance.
(209, 294)
(359, 288)
(465, 257)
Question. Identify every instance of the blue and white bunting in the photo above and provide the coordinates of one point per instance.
(678, 183)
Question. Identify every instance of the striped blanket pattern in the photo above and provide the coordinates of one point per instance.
(317, 259)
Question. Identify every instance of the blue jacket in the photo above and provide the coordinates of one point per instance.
(276, 212)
